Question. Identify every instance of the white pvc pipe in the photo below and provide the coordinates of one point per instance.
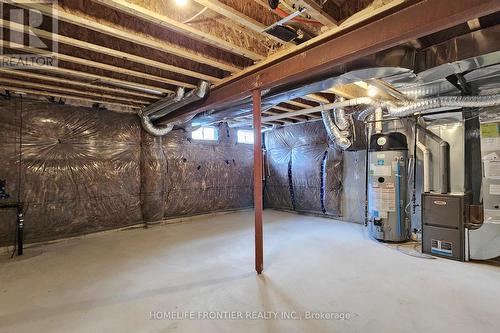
(320, 108)
(378, 120)
(427, 163)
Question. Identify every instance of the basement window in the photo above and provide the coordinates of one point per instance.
(205, 133)
(245, 136)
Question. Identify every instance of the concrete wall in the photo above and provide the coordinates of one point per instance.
(79, 170)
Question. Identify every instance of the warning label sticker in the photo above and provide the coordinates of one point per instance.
(384, 199)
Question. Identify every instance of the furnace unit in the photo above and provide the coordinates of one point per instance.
(443, 224)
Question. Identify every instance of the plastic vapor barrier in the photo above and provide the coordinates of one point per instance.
(83, 170)
(189, 177)
(303, 172)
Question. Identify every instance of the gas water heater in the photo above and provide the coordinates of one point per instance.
(387, 186)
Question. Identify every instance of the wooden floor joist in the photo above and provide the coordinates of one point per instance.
(167, 22)
(316, 98)
(52, 94)
(29, 76)
(100, 65)
(316, 12)
(110, 52)
(284, 108)
(347, 24)
(59, 89)
(147, 41)
(238, 17)
(299, 104)
(98, 78)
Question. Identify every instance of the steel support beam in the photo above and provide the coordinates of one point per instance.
(413, 20)
(257, 181)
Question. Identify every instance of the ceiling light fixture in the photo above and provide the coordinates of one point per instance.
(372, 91)
(181, 2)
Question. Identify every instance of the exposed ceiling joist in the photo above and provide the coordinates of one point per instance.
(316, 12)
(282, 108)
(144, 40)
(167, 22)
(99, 65)
(92, 86)
(66, 96)
(299, 104)
(412, 20)
(59, 89)
(96, 78)
(364, 15)
(237, 17)
(316, 98)
(110, 52)
(348, 91)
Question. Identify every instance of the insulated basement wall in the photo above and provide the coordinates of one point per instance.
(85, 170)
(79, 169)
(303, 173)
(183, 176)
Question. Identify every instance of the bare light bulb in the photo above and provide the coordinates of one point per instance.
(372, 91)
(181, 2)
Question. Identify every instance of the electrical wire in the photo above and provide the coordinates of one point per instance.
(195, 15)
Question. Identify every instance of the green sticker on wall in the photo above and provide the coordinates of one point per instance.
(489, 130)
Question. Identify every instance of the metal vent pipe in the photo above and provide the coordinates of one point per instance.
(170, 104)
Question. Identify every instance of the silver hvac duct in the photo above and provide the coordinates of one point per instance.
(149, 127)
(164, 103)
(444, 159)
(429, 105)
(340, 117)
(170, 104)
(338, 136)
(194, 95)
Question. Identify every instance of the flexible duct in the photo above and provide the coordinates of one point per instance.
(427, 105)
(340, 117)
(149, 127)
(169, 104)
(339, 137)
(366, 113)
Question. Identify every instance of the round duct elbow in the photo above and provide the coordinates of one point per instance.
(340, 138)
(149, 127)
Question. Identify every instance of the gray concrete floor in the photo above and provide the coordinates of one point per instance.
(113, 282)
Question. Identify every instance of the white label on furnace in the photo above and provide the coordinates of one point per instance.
(494, 189)
(490, 144)
(492, 168)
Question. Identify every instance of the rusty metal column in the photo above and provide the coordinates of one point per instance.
(257, 181)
